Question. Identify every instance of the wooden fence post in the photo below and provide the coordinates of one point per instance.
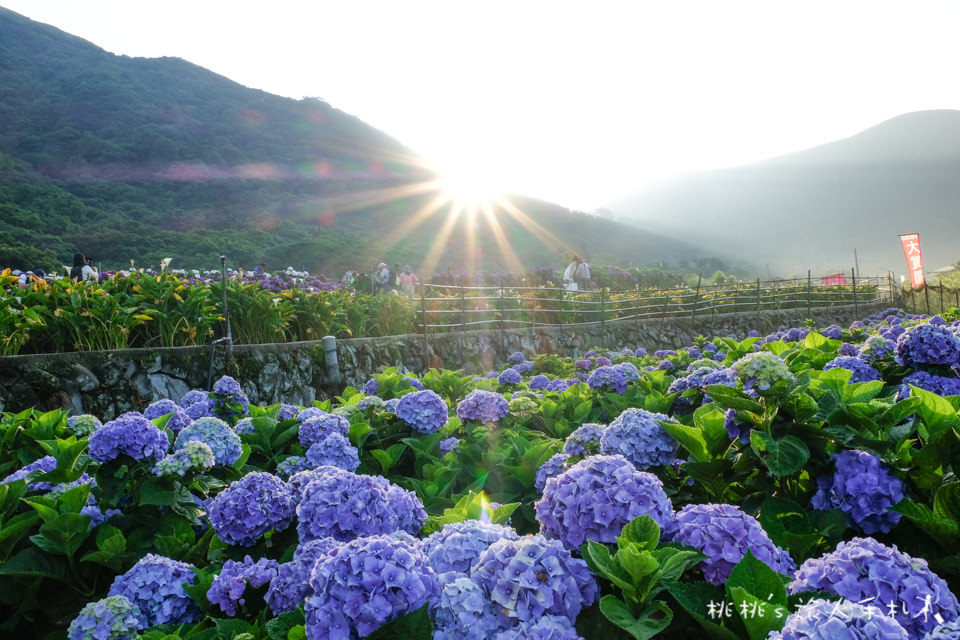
(853, 279)
(696, 298)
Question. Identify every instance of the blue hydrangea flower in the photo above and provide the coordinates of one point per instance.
(83, 424)
(583, 364)
(663, 353)
(46, 464)
(876, 348)
(523, 367)
(825, 620)
(863, 488)
(194, 456)
(641, 352)
(228, 586)
(516, 357)
(862, 371)
(310, 413)
(227, 386)
(628, 370)
(609, 377)
(762, 370)
(130, 434)
(244, 425)
(636, 435)
(947, 631)
(288, 412)
(315, 429)
(390, 406)
(538, 382)
(160, 408)
(370, 387)
(112, 618)
(925, 344)
(509, 376)
(449, 444)
(155, 585)
(370, 402)
(596, 497)
(192, 397)
(724, 534)
(557, 385)
(546, 628)
(667, 365)
(414, 382)
(462, 611)
(343, 505)
(834, 332)
(482, 406)
(585, 440)
(940, 385)
(457, 546)
(864, 569)
(532, 576)
(299, 480)
(215, 433)
(364, 583)
(336, 451)
(197, 404)
(251, 506)
(554, 465)
(602, 361)
(292, 465)
(423, 411)
(291, 587)
(736, 430)
(847, 349)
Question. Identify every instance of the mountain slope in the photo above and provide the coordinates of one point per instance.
(812, 208)
(140, 159)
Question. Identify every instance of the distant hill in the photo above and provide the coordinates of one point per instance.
(812, 208)
(141, 159)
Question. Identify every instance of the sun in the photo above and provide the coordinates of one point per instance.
(473, 184)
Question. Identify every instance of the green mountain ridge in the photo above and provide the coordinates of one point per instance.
(811, 209)
(141, 159)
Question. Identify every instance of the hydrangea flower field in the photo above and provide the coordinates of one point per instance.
(782, 487)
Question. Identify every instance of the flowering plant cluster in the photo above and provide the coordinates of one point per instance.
(251, 506)
(457, 546)
(227, 588)
(761, 370)
(112, 618)
(483, 406)
(291, 586)
(585, 440)
(863, 488)
(316, 426)
(216, 434)
(155, 586)
(637, 436)
(862, 371)
(130, 434)
(83, 424)
(335, 451)
(423, 411)
(195, 455)
(595, 498)
(609, 377)
(825, 620)
(364, 583)
(926, 344)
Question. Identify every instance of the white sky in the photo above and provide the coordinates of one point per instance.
(574, 102)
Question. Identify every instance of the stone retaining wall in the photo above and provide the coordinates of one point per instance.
(108, 383)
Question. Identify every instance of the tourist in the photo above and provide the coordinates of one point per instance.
(407, 280)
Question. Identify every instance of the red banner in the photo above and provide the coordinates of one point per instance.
(837, 278)
(911, 251)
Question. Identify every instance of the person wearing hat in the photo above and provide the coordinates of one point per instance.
(382, 278)
(407, 280)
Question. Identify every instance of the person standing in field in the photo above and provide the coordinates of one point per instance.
(407, 280)
(582, 276)
(81, 268)
(570, 274)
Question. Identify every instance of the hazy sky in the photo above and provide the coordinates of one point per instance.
(574, 102)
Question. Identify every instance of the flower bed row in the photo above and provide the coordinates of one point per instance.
(796, 485)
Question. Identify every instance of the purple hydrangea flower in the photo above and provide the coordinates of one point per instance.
(523, 367)
(343, 505)
(876, 348)
(947, 631)
(538, 382)
(251, 506)
(46, 464)
(194, 396)
(112, 618)
(762, 370)
(736, 430)
(244, 426)
(227, 589)
(863, 488)
(532, 576)
(864, 569)
(194, 456)
(629, 371)
(557, 385)
(292, 465)
(364, 583)
(825, 620)
(335, 451)
(546, 628)
(609, 377)
(862, 371)
(130, 434)
(299, 480)
(370, 387)
(667, 365)
(291, 587)
(227, 386)
(316, 428)
(596, 497)
(641, 352)
(423, 411)
(370, 402)
(462, 611)
(516, 358)
(583, 364)
(414, 382)
(482, 406)
(724, 534)
(585, 440)
(310, 413)
(509, 376)
(390, 406)
(602, 361)
(663, 353)
(847, 349)
(160, 408)
(288, 412)
(926, 344)
(155, 585)
(215, 433)
(591, 353)
(83, 424)
(940, 385)
(834, 332)
(448, 444)
(457, 546)
(637, 436)
(552, 467)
